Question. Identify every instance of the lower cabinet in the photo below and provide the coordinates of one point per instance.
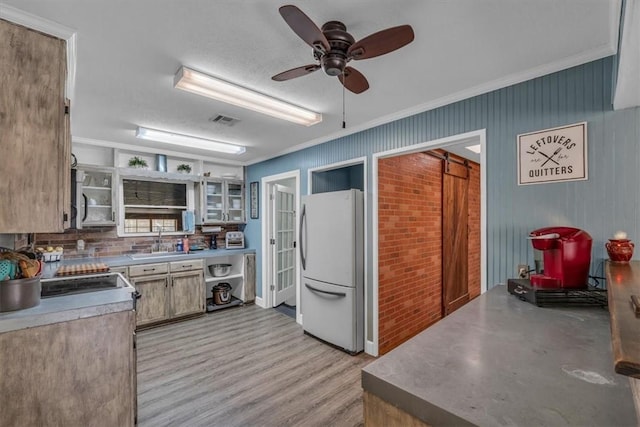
(168, 290)
(78, 372)
(152, 305)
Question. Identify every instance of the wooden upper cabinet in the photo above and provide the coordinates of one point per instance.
(35, 143)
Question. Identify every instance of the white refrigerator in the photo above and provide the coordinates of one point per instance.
(332, 255)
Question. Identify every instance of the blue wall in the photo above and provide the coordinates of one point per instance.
(609, 200)
(339, 179)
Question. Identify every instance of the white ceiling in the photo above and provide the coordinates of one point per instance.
(128, 52)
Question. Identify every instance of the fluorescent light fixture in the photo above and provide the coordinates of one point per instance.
(188, 141)
(205, 85)
(474, 148)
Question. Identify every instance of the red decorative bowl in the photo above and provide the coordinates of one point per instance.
(619, 250)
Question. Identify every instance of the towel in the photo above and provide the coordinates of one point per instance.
(188, 221)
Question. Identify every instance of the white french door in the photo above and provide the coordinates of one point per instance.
(283, 243)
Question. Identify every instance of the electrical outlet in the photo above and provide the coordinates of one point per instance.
(523, 271)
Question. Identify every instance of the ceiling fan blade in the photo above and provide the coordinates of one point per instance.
(304, 28)
(295, 72)
(353, 80)
(382, 42)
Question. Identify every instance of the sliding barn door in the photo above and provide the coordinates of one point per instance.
(455, 201)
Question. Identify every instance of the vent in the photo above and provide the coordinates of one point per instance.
(224, 120)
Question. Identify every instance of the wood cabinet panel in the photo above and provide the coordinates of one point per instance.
(152, 306)
(74, 373)
(168, 290)
(187, 293)
(147, 269)
(186, 265)
(249, 277)
(34, 142)
(122, 270)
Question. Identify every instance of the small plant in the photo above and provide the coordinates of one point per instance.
(184, 168)
(137, 162)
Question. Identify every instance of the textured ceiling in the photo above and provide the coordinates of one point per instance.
(128, 52)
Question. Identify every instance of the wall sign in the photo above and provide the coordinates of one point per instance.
(553, 155)
(253, 200)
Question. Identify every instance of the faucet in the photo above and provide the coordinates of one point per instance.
(159, 241)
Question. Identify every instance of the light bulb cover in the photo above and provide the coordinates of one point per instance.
(205, 85)
(188, 141)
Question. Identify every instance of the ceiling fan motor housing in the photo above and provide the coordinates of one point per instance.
(334, 61)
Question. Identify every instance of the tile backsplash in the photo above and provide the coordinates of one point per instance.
(103, 241)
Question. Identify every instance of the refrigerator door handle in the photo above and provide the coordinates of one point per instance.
(338, 294)
(303, 259)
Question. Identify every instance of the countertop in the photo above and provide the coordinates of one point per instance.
(500, 361)
(50, 268)
(71, 307)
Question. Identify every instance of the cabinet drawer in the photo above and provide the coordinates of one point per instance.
(186, 265)
(147, 269)
(122, 270)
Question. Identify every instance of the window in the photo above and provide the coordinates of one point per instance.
(148, 225)
(149, 205)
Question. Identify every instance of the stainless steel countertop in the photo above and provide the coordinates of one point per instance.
(499, 361)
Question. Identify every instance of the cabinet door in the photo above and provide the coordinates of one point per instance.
(96, 204)
(187, 293)
(234, 202)
(35, 158)
(152, 305)
(213, 196)
(74, 373)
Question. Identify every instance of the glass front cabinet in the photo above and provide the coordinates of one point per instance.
(222, 201)
(94, 201)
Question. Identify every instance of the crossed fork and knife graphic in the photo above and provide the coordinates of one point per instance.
(550, 158)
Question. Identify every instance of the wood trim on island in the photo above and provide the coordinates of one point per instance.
(623, 281)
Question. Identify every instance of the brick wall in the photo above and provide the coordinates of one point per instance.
(103, 241)
(474, 231)
(410, 235)
(410, 245)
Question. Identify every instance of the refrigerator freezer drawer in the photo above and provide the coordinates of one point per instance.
(333, 313)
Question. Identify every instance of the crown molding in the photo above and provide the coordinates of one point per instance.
(52, 28)
(149, 150)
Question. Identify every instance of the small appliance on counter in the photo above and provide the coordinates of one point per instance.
(564, 278)
(567, 256)
(234, 240)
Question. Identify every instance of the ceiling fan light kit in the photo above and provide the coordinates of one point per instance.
(333, 47)
(188, 141)
(202, 84)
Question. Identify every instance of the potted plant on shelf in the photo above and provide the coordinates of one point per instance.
(137, 162)
(184, 168)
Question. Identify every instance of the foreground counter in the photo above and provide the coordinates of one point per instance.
(499, 361)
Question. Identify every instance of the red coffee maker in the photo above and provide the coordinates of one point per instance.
(566, 257)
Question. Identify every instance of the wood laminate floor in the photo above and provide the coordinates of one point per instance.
(245, 366)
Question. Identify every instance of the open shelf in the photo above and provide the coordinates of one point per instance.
(210, 279)
(213, 307)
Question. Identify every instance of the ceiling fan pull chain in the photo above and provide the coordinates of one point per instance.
(344, 123)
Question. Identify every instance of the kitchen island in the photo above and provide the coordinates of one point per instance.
(70, 361)
(501, 361)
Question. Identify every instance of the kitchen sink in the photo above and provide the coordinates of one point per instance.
(156, 255)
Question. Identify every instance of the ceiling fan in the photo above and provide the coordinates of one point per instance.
(333, 47)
